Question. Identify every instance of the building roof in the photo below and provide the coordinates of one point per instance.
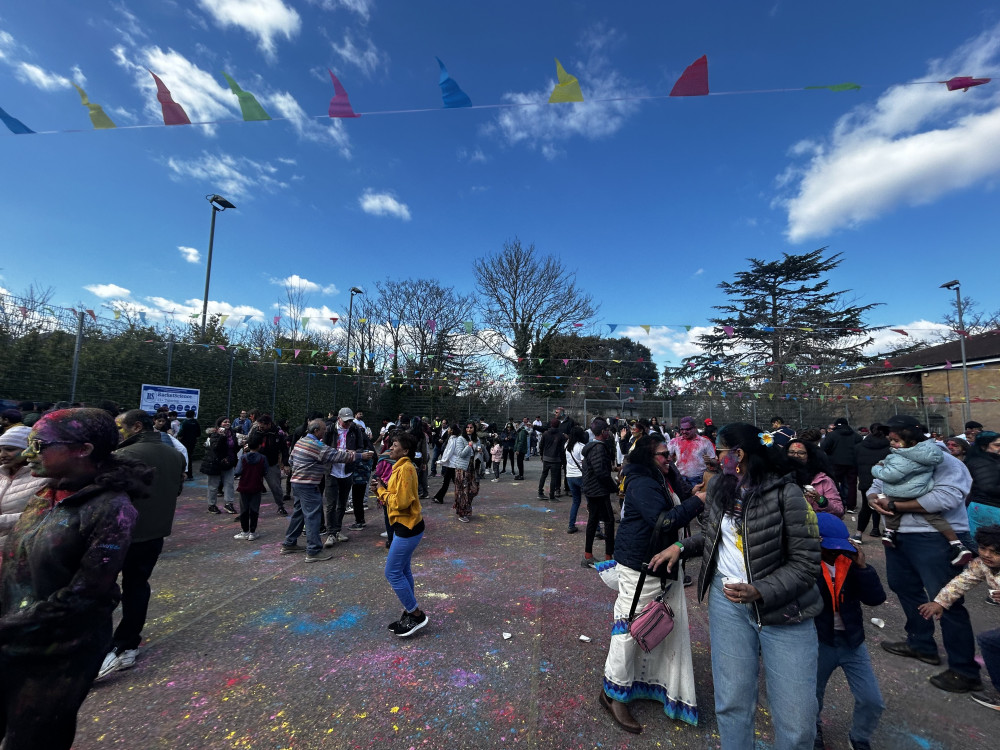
(979, 347)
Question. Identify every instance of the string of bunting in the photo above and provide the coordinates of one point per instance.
(692, 82)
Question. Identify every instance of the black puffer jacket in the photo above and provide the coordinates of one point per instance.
(985, 471)
(840, 445)
(597, 481)
(781, 552)
(871, 450)
(646, 497)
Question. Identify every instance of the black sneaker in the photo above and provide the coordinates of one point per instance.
(902, 648)
(688, 582)
(356, 526)
(288, 549)
(541, 496)
(213, 508)
(859, 744)
(889, 538)
(953, 682)
(230, 509)
(588, 562)
(282, 511)
(572, 530)
(319, 556)
(394, 626)
(410, 623)
(962, 556)
(989, 698)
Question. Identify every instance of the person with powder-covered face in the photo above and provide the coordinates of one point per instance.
(58, 582)
(691, 452)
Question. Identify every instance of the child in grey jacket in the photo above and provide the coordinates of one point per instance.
(908, 472)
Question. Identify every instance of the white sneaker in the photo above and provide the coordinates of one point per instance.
(384, 535)
(494, 480)
(463, 519)
(252, 536)
(240, 535)
(117, 659)
(342, 537)
(330, 541)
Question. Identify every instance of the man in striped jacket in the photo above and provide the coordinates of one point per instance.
(310, 460)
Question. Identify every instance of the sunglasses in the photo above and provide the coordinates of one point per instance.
(37, 446)
(665, 454)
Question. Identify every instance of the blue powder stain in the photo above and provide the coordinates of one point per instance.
(921, 742)
(255, 553)
(349, 619)
(458, 562)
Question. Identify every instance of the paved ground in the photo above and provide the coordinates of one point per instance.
(246, 648)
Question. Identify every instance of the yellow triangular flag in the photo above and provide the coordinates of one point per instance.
(645, 328)
(568, 88)
(223, 319)
(117, 314)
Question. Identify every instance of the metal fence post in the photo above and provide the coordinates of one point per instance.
(274, 389)
(76, 356)
(229, 394)
(308, 384)
(170, 358)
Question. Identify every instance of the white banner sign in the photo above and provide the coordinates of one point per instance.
(152, 397)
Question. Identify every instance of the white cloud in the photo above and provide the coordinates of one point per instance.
(383, 204)
(325, 131)
(365, 56)
(667, 344)
(914, 144)
(362, 7)
(699, 272)
(203, 98)
(233, 176)
(107, 291)
(297, 282)
(78, 77)
(7, 44)
(161, 308)
(476, 156)
(546, 127)
(264, 19)
(41, 78)
(918, 331)
(190, 254)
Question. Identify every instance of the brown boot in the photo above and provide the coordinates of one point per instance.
(620, 713)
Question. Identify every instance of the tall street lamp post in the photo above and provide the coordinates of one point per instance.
(967, 406)
(219, 204)
(350, 320)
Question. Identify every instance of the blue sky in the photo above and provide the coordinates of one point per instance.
(651, 201)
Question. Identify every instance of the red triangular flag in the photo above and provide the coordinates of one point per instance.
(173, 113)
(92, 314)
(965, 82)
(899, 330)
(694, 79)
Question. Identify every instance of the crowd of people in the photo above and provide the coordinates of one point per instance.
(88, 496)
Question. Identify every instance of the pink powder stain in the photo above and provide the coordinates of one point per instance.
(234, 680)
(460, 678)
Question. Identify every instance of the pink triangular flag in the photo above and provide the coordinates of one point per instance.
(276, 319)
(173, 113)
(965, 82)
(296, 353)
(340, 105)
(565, 361)
(729, 330)
(24, 311)
(92, 314)
(947, 365)
(694, 79)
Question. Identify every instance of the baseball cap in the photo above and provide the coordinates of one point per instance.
(833, 533)
(345, 414)
(15, 437)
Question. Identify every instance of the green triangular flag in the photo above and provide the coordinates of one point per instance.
(248, 104)
(838, 87)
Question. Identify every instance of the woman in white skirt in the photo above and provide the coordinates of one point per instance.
(665, 674)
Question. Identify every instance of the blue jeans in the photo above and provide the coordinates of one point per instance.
(397, 569)
(307, 511)
(575, 487)
(789, 653)
(989, 646)
(920, 564)
(857, 666)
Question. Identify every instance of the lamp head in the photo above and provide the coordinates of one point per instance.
(950, 284)
(356, 290)
(219, 203)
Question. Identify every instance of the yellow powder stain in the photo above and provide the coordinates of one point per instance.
(394, 710)
(361, 716)
(395, 728)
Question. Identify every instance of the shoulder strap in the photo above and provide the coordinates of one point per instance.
(638, 590)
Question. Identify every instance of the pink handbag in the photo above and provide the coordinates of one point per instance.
(654, 622)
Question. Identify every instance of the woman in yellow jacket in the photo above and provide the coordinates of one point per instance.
(402, 503)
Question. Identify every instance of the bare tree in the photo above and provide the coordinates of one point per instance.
(527, 299)
(976, 320)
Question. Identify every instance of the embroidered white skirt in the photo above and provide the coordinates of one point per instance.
(666, 674)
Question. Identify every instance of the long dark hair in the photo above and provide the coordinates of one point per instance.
(644, 452)
(475, 436)
(576, 435)
(762, 463)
